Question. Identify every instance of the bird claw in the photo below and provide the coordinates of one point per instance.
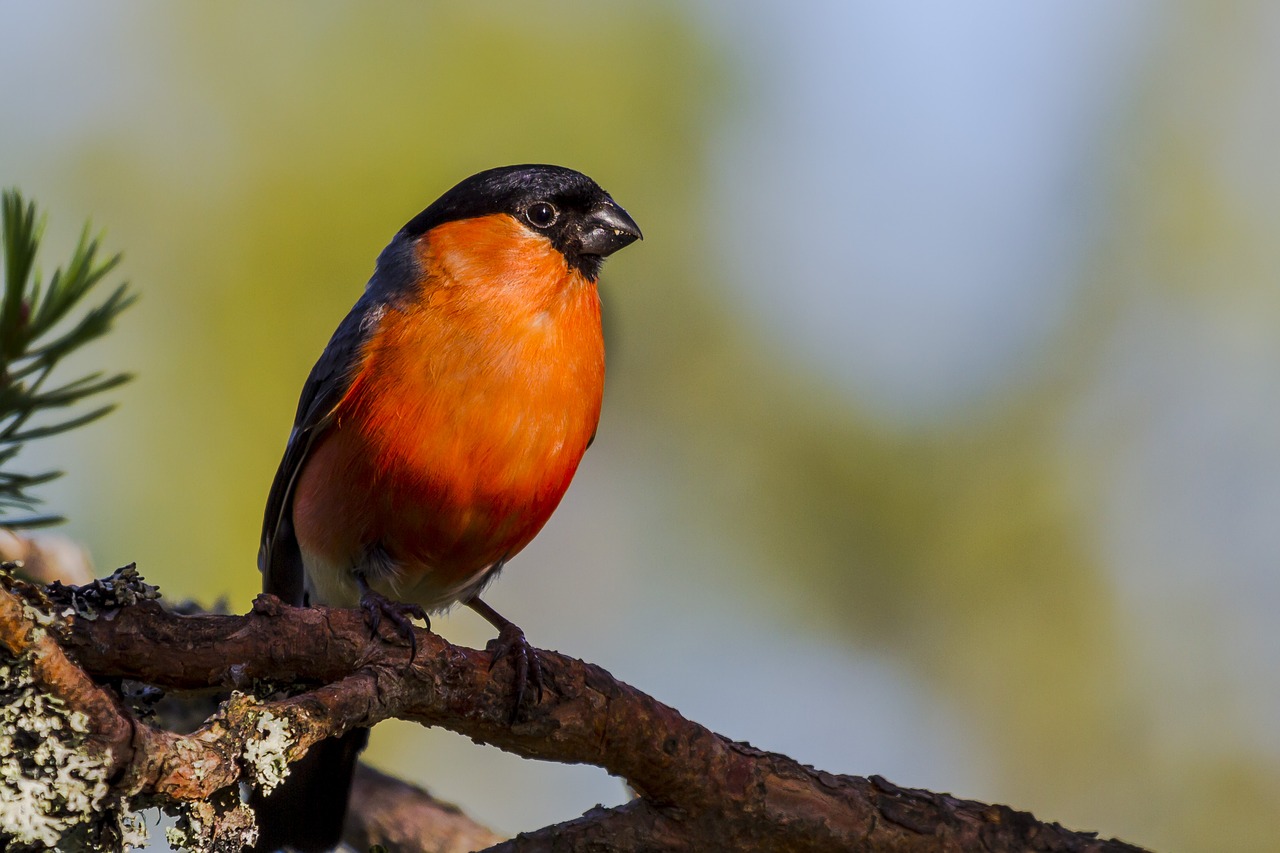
(511, 642)
(377, 606)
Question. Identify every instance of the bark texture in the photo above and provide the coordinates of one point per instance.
(697, 790)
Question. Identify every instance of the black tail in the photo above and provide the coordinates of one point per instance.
(307, 811)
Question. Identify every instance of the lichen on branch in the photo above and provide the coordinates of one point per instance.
(698, 790)
(53, 770)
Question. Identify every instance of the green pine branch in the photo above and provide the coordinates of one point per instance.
(30, 312)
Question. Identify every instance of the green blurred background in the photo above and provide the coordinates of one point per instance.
(941, 434)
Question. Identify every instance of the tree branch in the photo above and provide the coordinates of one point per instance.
(697, 789)
(405, 818)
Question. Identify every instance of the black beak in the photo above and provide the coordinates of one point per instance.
(607, 229)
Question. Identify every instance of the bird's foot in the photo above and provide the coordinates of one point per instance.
(400, 614)
(511, 643)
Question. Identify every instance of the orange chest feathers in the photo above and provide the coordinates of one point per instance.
(475, 401)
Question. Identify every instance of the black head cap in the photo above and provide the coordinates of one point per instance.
(570, 209)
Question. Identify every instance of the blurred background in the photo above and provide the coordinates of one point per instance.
(942, 436)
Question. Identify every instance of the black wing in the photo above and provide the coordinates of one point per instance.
(279, 559)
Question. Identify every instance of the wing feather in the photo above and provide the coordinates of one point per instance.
(279, 559)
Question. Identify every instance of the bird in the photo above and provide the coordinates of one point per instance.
(438, 431)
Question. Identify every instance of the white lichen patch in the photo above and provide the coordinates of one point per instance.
(132, 828)
(50, 786)
(206, 826)
(189, 832)
(266, 753)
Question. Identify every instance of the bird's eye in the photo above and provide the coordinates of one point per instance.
(541, 214)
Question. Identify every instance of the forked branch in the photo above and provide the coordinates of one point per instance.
(697, 790)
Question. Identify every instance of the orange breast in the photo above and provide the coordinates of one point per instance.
(468, 418)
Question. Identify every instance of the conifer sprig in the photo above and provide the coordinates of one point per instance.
(30, 312)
